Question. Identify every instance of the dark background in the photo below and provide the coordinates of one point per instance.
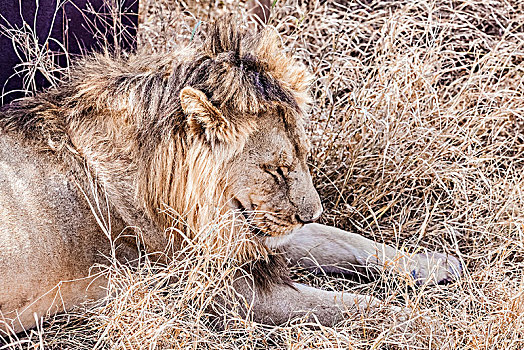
(80, 25)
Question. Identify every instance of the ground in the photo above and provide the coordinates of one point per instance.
(417, 129)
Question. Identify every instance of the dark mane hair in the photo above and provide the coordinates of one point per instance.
(240, 73)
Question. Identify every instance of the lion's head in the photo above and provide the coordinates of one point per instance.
(213, 127)
(247, 102)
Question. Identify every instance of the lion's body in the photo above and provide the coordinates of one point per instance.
(48, 234)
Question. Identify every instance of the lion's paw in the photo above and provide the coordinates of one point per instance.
(436, 268)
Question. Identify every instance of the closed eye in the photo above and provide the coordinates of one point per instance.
(277, 171)
(282, 171)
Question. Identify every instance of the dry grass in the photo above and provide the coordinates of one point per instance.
(418, 134)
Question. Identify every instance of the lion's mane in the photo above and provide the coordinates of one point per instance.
(122, 118)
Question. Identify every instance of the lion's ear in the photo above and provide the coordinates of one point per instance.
(203, 116)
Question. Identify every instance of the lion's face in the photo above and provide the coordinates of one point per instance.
(248, 107)
(269, 181)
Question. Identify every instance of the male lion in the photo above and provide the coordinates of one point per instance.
(218, 127)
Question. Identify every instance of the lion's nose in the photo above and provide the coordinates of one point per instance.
(309, 216)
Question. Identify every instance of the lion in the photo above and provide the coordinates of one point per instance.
(215, 127)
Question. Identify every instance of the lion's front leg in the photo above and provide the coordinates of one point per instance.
(333, 250)
(285, 302)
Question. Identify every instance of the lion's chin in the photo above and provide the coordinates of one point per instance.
(271, 237)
